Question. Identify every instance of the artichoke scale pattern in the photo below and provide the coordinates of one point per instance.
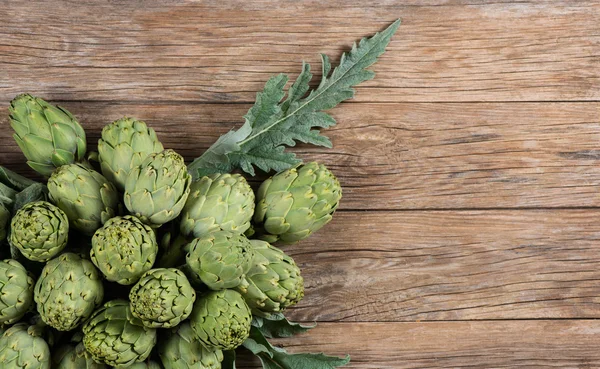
(21, 347)
(71, 356)
(181, 349)
(16, 291)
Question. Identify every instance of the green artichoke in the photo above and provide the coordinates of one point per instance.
(220, 260)
(48, 135)
(68, 291)
(218, 202)
(115, 337)
(39, 230)
(124, 249)
(156, 190)
(22, 347)
(274, 282)
(182, 350)
(71, 356)
(221, 319)
(293, 204)
(88, 199)
(16, 291)
(4, 218)
(162, 298)
(125, 143)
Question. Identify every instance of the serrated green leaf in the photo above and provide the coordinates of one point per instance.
(14, 180)
(277, 326)
(35, 192)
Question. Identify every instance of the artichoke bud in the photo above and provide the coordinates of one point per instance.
(16, 291)
(182, 350)
(71, 356)
(21, 346)
(48, 135)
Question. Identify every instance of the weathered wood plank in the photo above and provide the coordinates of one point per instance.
(225, 51)
(412, 155)
(490, 344)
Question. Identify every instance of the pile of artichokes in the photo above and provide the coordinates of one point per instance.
(124, 260)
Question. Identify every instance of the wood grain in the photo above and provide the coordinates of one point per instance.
(408, 155)
(497, 344)
(225, 51)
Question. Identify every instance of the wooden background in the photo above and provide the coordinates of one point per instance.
(469, 231)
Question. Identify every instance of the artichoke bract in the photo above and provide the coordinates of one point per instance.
(124, 144)
(88, 199)
(220, 260)
(22, 347)
(48, 135)
(124, 249)
(293, 204)
(115, 337)
(16, 291)
(162, 298)
(39, 230)
(74, 357)
(221, 319)
(156, 190)
(4, 219)
(274, 282)
(68, 291)
(182, 350)
(217, 202)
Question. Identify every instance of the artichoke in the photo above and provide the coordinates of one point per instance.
(124, 249)
(125, 144)
(293, 204)
(74, 357)
(16, 291)
(88, 199)
(156, 190)
(39, 230)
(48, 135)
(218, 202)
(4, 218)
(115, 337)
(221, 319)
(182, 350)
(274, 281)
(219, 259)
(68, 291)
(162, 298)
(22, 347)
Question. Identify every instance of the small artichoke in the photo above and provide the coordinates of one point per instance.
(221, 319)
(162, 298)
(293, 204)
(124, 249)
(71, 356)
(274, 282)
(16, 291)
(218, 202)
(4, 219)
(182, 350)
(115, 337)
(39, 230)
(68, 291)
(125, 143)
(48, 135)
(220, 260)
(22, 347)
(156, 190)
(88, 199)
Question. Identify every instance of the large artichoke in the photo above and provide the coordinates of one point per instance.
(274, 281)
(125, 143)
(48, 135)
(68, 291)
(221, 319)
(22, 347)
(162, 298)
(4, 219)
(220, 260)
(115, 337)
(156, 190)
(16, 291)
(181, 349)
(124, 249)
(218, 202)
(293, 204)
(39, 230)
(72, 356)
(84, 195)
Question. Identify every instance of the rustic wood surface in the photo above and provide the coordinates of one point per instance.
(469, 231)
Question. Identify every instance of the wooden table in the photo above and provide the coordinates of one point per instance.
(469, 233)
